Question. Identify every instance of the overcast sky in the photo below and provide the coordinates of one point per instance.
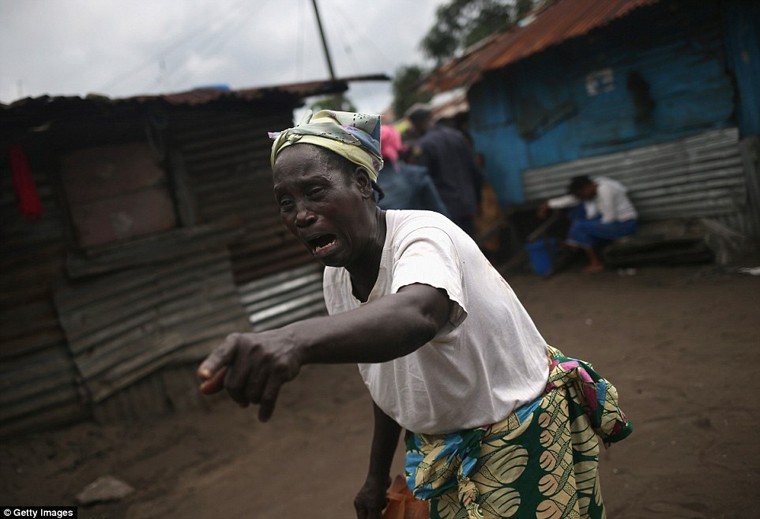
(124, 48)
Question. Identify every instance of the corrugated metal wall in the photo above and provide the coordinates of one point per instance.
(38, 377)
(125, 326)
(115, 333)
(121, 315)
(280, 299)
(226, 161)
(750, 151)
(700, 176)
(226, 164)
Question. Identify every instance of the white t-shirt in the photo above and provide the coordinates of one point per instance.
(611, 202)
(489, 359)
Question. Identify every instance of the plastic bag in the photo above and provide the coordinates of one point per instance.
(402, 504)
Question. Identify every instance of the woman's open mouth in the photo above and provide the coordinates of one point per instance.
(322, 244)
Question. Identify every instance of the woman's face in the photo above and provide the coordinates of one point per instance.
(324, 206)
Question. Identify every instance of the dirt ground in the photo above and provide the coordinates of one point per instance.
(678, 343)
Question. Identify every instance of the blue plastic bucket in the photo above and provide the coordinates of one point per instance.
(541, 254)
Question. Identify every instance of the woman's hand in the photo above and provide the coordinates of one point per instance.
(252, 367)
(371, 499)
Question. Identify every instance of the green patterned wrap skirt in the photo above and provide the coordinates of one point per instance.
(539, 462)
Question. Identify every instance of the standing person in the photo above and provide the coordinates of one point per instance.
(450, 163)
(600, 213)
(404, 186)
(498, 423)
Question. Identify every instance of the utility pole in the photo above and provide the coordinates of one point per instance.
(324, 41)
(338, 96)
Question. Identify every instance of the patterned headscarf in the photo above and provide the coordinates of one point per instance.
(353, 136)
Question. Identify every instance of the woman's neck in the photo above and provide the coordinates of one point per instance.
(364, 271)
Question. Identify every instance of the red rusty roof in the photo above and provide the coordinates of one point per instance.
(550, 25)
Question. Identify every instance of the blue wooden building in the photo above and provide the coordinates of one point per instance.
(663, 95)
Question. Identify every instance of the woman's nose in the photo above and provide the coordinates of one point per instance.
(304, 217)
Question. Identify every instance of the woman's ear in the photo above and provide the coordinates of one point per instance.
(361, 177)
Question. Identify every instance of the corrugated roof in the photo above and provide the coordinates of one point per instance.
(553, 24)
(200, 96)
(38, 111)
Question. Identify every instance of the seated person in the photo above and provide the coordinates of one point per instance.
(600, 212)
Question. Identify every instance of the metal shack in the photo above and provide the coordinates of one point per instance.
(135, 234)
(663, 95)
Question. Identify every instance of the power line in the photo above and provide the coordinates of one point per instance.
(216, 41)
(324, 41)
(341, 32)
(300, 39)
(223, 37)
(351, 24)
(197, 31)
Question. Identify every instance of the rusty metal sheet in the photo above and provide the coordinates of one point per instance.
(95, 173)
(553, 24)
(283, 298)
(112, 323)
(226, 165)
(38, 378)
(123, 217)
(123, 327)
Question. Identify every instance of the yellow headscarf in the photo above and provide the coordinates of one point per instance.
(353, 136)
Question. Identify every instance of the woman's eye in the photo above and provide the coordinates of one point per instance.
(315, 191)
(286, 204)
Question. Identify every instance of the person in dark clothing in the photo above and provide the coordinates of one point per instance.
(450, 163)
(405, 186)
